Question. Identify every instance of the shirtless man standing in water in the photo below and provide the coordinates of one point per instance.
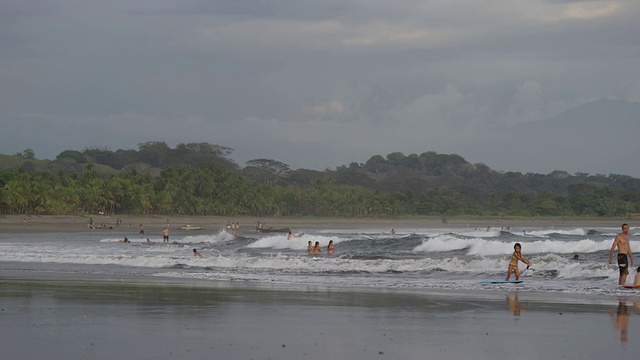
(625, 259)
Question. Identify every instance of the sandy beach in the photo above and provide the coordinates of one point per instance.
(96, 310)
(110, 319)
(17, 223)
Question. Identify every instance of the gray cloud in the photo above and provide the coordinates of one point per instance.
(314, 84)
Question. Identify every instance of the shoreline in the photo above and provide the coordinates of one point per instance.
(109, 319)
(155, 223)
(58, 278)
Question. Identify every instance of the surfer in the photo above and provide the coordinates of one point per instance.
(625, 259)
(513, 264)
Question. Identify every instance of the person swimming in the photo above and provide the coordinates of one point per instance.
(330, 248)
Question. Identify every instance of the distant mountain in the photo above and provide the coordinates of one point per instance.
(591, 120)
(597, 137)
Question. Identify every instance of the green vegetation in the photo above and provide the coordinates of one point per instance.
(200, 179)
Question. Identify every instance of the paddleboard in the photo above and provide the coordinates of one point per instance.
(501, 282)
(631, 286)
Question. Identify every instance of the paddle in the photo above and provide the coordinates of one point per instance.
(523, 271)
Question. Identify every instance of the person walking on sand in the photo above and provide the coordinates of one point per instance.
(513, 264)
(625, 259)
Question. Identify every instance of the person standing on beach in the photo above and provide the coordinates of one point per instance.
(165, 235)
(513, 264)
(625, 259)
(141, 230)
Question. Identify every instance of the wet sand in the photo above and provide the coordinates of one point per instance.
(61, 316)
(141, 319)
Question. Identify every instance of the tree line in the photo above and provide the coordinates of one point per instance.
(200, 179)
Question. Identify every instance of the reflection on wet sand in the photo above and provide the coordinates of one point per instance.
(514, 305)
(621, 318)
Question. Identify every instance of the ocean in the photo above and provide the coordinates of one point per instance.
(412, 259)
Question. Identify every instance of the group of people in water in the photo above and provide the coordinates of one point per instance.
(233, 227)
(624, 258)
(317, 250)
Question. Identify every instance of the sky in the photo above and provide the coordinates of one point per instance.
(313, 84)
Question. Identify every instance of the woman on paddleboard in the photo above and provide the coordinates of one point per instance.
(513, 264)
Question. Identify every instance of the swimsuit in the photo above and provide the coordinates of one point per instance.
(514, 260)
(623, 264)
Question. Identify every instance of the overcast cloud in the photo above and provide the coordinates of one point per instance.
(314, 84)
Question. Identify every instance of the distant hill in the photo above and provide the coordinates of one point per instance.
(599, 135)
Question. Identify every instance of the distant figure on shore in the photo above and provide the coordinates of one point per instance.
(513, 264)
(625, 259)
(317, 250)
(141, 229)
(167, 223)
(165, 235)
(393, 231)
(330, 248)
(196, 253)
